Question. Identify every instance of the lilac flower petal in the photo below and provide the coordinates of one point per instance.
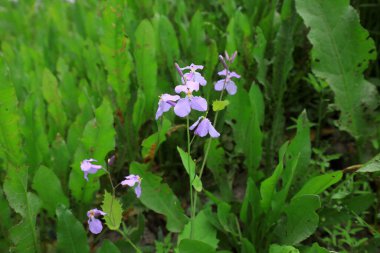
(167, 97)
(189, 76)
(231, 88)
(88, 168)
(138, 190)
(86, 176)
(182, 108)
(223, 72)
(98, 212)
(199, 104)
(234, 74)
(193, 67)
(212, 131)
(192, 86)
(202, 129)
(199, 79)
(181, 88)
(195, 124)
(131, 180)
(95, 225)
(219, 85)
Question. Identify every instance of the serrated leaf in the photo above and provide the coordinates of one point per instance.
(49, 189)
(71, 237)
(160, 198)
(372, 166)
(113, 209)
(146, 65)
(189, 165)
(219, 105)
(27, 205)
(341, 52)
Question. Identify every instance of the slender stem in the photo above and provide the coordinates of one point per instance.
(192, 207)
(128, 240)
(113, 195)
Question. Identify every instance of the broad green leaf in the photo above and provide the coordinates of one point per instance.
(251, 201)
(372, 166)
(113, 209)
(203, 231)
(48, 188)
(341, 51)
(302, 219)
(318, 184)
(219, 105)
(53, 97)
(160, 198)
(188, 246)
(259, 56)
(71, 236)
(197, 39)
(108, 247)
(27, 205)
(189, 165)
(247, 246)
(146, 65)
(10, 141)
(274, 248)
(316, 249)
(5, 212)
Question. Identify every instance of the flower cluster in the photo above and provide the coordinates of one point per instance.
(87, 166)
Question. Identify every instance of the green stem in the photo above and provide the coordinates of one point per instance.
(192, 207)
(129, 241)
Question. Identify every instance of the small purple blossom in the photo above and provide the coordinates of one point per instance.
(184, 105)
(131, 180)
(203, 127)
(94, 224)
(88, 168)
(166, 102)
(227, 83)
(193, 75)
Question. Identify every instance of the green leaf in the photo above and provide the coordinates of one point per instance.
(108, 247)
(247, 246)
(27, 205)
(372, 166)
(188, 246)
(189, 165)
(259, 55)
(219, 105)
(197, 38)
(151, 144)
(10, 141)
(274, 248)
(49, 189)
(316, 249)
(113, 209)
(302, 219)
(203, 231)
(318, 184)
(53, 97)
(146, 65)
(335, 33)
(160, 198)
(71, 236)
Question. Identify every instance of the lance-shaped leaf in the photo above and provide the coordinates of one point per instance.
(189, 165)
(372, 166)
(71, 235)
(341, 52)
(160, 198)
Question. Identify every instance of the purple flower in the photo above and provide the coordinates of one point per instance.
(193, 75)
(204, 127)
(94, 224)
(88, 168)
(227, 83)
(165, 103)
(131, 180)
(184, 105)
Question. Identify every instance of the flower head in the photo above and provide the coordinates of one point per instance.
(131, 180)
(193, 75)
(227, 83)
(165, 103)
(94, 224)
(88, 168)
(203, 127)
(184, 105)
